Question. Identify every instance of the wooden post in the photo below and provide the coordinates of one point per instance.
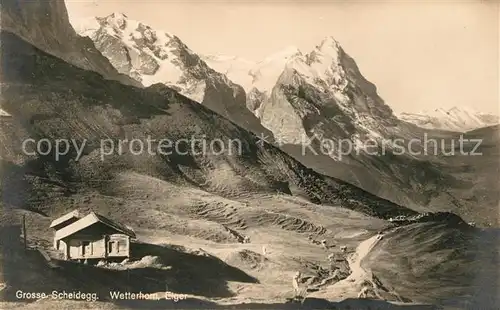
(128, 279)
(128, 247)
(24, 232)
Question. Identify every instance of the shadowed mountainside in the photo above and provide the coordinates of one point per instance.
(45, 24)
(51, 99)
(477, 165)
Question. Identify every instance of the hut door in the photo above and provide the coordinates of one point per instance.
(86, 248)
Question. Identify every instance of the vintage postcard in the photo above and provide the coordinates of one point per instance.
(249, 154)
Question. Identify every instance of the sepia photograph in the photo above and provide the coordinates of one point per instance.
(249, 154)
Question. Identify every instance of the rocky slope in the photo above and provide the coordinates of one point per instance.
(151, 57)
(52, 32)
(325, 89)
(454, 119)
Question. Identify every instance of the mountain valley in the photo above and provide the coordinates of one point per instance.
(231, 227)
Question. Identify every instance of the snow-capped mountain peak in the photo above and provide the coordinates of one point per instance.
(322, 67)
(118, 20)
(282, 55)
(265, 73)
(322, 63)
(153, 56)
(329, 45)
(317, 85)
(261, 75)
(453, 119)
(145, 54)
(235, 68)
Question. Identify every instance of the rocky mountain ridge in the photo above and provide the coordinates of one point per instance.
(152, 56)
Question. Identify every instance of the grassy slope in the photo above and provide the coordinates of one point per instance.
(479, 201)
(429, 261)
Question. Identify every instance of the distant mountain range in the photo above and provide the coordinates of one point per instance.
(222, 82)
(259, 78)
(454, 119)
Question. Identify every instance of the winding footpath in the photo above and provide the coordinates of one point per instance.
(352, 285)
(358, 273)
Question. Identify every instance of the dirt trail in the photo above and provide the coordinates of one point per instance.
(359, 274)
(352, 285)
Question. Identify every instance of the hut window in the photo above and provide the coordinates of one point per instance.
(111, 245)
(122, 246)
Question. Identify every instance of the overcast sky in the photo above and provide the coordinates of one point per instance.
(420, 54)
